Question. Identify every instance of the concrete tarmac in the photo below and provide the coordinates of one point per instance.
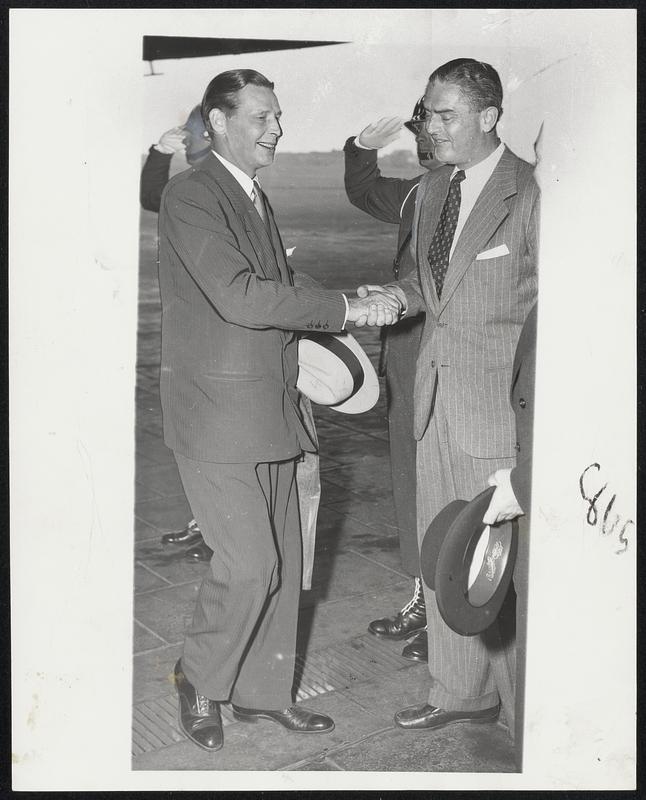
(342, 670)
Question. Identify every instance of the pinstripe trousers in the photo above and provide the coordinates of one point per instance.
(468, 673)
(242, 640)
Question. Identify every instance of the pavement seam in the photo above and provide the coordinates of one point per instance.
(165, 646)
(170, 586)
(345, 599)
(152, 632)
(377, 563)
(328, 754)
(152, 572)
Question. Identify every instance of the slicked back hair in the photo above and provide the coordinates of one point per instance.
(222, 91)
(478, 81)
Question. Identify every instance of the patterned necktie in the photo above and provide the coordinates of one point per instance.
(440, 249)
(256, 199)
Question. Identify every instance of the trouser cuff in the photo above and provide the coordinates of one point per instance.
(440, 698)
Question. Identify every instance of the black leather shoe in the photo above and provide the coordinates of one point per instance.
(296, 718)
(411, 619)
(428, 717)
(199, 717)
(191, 535)
(201, 552)
(417, 650)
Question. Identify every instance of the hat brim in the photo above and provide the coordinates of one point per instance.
(358, 395)
(447, 555)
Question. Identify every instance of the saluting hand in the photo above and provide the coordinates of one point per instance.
(379, 134)
(171, 141)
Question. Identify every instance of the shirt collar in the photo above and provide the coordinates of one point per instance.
(481, 172)
(241, 177)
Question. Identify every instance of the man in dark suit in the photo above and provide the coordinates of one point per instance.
(231, 414)
(189, 139)
(513, 498)
(393, 200)
(475, 243)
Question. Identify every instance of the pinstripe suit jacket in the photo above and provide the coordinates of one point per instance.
(229, 310)
(470, 334)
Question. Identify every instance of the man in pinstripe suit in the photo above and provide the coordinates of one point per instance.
(475, 241)
(231, 413)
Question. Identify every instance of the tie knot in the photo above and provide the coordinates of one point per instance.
(459, 176)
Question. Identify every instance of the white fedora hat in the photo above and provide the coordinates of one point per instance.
(334, 370)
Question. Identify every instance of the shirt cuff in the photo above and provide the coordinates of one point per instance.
(347, 310)
(361, 146)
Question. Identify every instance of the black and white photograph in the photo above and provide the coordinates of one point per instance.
(336, 468)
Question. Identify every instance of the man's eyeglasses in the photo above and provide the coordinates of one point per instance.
(416, 122)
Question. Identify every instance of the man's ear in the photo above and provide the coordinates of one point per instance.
(488, 119)
(218, 120)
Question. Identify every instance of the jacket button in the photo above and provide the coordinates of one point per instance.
(522, 403)
(517, 446)
(432, 364)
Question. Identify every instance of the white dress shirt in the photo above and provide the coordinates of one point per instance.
(472, 185)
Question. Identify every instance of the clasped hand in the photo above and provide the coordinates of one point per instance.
(374, 305)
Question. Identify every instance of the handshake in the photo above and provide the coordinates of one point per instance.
(376, 305)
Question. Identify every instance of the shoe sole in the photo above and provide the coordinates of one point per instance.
(482, 721)
(397, 637)
(256, 717)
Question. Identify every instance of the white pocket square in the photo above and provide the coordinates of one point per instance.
(289, 251)
(495, 252)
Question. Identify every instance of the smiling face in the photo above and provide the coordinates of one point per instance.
(460, 134)
(247, 136)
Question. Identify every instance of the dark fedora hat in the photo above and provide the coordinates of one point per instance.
(469, 564)
(335, 371)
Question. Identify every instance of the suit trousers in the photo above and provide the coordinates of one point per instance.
(468, 673)
(242, 639)
(401, 346)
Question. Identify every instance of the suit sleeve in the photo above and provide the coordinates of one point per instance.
(368, 190)
(154, 176)
(195, 226)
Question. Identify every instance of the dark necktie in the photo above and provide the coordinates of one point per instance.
(440, 249)
(256, 199)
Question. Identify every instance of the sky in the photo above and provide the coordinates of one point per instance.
(326, 93)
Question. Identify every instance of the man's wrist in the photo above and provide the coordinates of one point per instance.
(400, 295)
(347, 310)
(358, 144)
(160, 148)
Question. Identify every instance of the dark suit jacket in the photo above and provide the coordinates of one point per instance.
(522, 401)
(389, 200)
(154, 176)
(471, 333)
(229, 310)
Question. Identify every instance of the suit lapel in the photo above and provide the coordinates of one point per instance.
(430, 203)
(249, 218)
(487, 214)
(279, 249)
